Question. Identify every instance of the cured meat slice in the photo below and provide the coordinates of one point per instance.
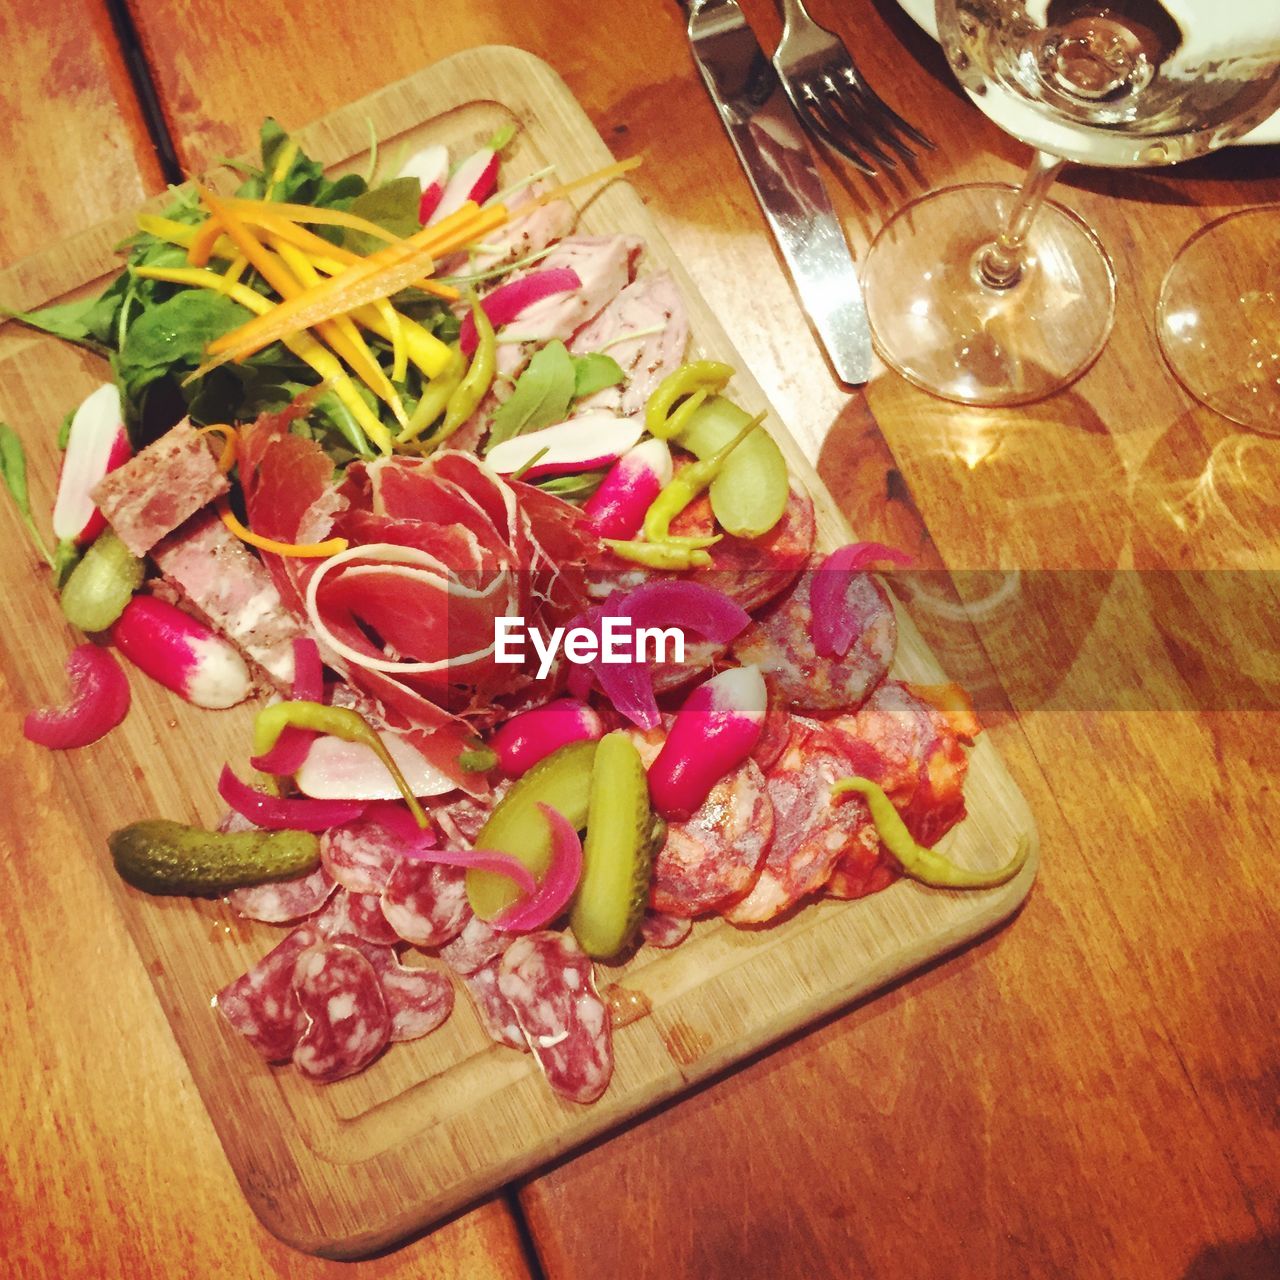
(347, 1020)
(261, 1003)
(811, 828)
(228, 584)
(160, 487)
(474, 947)
(645, 329)
(426, 902)
(283, 901)
(550, 985)
(781, 646)
(418, 999)
(904, 740)
(714, 856)
(493, 1008)
(664, 931)
(776, 730)
(356, 915)
(462, 817)
(360, 855)
(865, 867)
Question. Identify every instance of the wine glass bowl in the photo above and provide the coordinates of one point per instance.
(996, 297)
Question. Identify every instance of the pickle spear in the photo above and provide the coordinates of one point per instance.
(618, 853)
(159, 856)
(563, 781)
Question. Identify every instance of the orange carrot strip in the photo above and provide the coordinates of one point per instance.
(201, 248)
(230, 446)
(307, 550)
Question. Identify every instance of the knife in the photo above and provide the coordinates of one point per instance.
(770, 142)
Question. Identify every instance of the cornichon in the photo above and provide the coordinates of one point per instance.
(516, 826)
(749, 495)
(159, 856)
(617, 857)
(101, 584)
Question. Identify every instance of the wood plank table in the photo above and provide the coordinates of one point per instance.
(112, 1167)
(1092, 1091)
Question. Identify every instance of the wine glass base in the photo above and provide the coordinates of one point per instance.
(1218, 318)
(936, 322)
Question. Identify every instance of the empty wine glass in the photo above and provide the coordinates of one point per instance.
(1218, 318)
(986, 293)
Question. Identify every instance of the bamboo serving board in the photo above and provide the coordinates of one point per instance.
(348, 1168)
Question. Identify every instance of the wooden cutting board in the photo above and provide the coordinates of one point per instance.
(348, 1168)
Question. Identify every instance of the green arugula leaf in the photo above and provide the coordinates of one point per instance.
(594, 372)
(13, 471)
(541, 396)
(576, 488)
(394, 206)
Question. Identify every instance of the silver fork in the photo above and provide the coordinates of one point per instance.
(834, 101)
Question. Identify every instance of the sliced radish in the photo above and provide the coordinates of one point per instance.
(475, 178)
(96, 444)
(507, 301)
(533, 735)
(431, 168)
(618, 506)
(584, 443)
(181, 653)
(338, 770)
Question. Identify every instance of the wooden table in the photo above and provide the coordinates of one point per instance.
(1090, 1092)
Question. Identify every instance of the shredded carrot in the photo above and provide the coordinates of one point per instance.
(230, 446)
(307, 550)
(200, 249)
(314, 215)
(380, 275)
(607, 174)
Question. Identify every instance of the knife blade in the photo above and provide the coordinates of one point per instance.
(771, 144)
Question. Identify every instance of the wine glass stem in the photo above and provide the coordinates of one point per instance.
(1001, 264)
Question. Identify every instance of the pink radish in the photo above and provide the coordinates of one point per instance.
(581, 444)
(181, 653)
(96, 444)
(337, 770)
(431, 168)
(715, 731)
(533, 735)
(99, 702)
(617, 507)
(507, 301)
(474, 179)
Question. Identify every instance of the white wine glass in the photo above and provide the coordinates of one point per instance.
(988, 294)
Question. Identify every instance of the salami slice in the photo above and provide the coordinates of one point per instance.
(474, 947)
(913, 749)
(714, 855)
(348, 1023)
(660, 930)
(780, 644)
(419, 999)
(284, 901)
(493, 1008)
(550, 985)
(426, 902)
(356, 915)
(811, 828)
(360, 855)
(261, 1004)
(462, 817)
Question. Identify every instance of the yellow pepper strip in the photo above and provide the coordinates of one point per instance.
(284, 162)
(237, 268)
(380, 275)
(314, 215)
(303, 345)
(399, 352)
(364, 364)
(230, 446)
(299, 550)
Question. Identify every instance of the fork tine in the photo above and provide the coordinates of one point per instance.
(863, 122)
(811, 110)
(865, 91)
(860, 132)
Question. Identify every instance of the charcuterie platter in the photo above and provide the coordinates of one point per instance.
(354, 1163)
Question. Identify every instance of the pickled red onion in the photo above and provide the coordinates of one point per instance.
(832, 628)
(502, 864)
(274, 813)
(556, 887)
(99, 702)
